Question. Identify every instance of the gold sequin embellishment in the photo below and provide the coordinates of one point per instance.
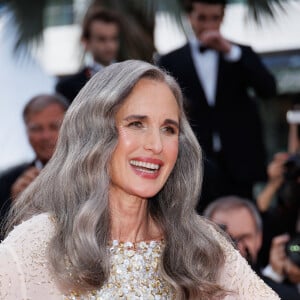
(134, 274)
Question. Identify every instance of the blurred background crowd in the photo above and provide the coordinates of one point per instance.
(238, 64)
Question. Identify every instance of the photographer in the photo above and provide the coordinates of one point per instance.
(281, 268)
(279, 201)
(283, 183)
(241, 220)
(279, 204)
(284, 172)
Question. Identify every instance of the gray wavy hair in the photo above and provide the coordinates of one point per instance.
(74, 185)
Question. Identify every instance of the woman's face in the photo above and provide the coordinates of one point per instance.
(148, 127)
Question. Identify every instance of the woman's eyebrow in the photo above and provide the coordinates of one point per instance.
(135, 117)
(144, 117)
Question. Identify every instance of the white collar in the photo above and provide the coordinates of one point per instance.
(96, 66)
(38, 164)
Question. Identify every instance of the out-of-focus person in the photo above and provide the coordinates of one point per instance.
(281, 267)
(42, 116)
(216, 76)
(279, 204)
(242, 221)
(101, 40)
(278, 201)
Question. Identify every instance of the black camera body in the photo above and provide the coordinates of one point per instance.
(289, 193)
(292, 249)
(292, 168)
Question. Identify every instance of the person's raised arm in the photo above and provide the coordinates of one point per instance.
(275, 180)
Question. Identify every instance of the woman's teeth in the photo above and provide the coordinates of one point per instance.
(146, 165)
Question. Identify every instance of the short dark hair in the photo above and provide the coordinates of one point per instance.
(97, 14)
(188, 4)
(41, 101)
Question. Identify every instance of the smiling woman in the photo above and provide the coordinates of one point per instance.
(115, 217)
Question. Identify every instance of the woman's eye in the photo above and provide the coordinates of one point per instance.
(169, 130)
(135, 124)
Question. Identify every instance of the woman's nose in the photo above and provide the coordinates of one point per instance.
(153, 141)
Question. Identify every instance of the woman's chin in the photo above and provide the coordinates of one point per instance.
(145, 193)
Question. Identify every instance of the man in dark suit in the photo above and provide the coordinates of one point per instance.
(216, 75)
(100, 36)
(42, 116)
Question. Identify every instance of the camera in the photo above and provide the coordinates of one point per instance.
(292, 168)
(292, 249)
(289, 192)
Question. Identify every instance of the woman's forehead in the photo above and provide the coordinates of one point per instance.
(150, 97)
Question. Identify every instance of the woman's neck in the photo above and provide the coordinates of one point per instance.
(130, 220)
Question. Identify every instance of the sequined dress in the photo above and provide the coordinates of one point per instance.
(135, 272)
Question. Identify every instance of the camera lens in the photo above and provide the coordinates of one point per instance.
(293, 249)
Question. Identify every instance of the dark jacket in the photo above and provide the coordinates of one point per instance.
(70, 86)
(235, 115)
(7, 179)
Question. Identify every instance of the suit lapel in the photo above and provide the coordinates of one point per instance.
(193, 75)
(220, 78)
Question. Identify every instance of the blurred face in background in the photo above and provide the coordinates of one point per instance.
(103, 41)
(240, 225)
(42, 130)
(206, 17)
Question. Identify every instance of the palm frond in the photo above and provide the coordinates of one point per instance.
(261, 9)
(138, 15)
(28, 17)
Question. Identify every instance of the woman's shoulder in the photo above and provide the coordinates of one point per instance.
(24, 264)
(37, 228)
(216, 232)
(222, 239)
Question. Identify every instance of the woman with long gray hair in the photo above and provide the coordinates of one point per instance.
(112, 215)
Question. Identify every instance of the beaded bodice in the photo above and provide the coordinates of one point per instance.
(134, 274)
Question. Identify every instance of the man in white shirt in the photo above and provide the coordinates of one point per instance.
(216, 75)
